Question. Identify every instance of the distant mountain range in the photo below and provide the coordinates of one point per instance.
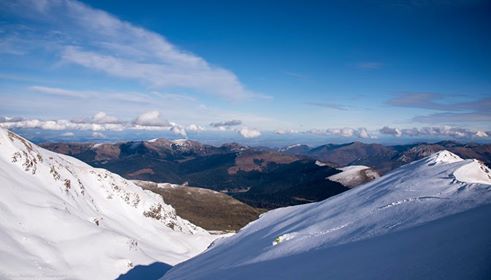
(386, 158)
(261, 177)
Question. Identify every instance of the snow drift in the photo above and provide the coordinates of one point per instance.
(61, 218)
(426, 220)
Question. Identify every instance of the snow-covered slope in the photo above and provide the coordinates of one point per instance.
(426, 220)
(354, 175)
(61, 218)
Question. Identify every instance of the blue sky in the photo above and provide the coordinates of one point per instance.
(358, 70)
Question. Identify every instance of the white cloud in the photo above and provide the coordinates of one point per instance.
(363, 133)
(342, 132)
(210, 79)
(194, 128)
(445, 131)
(249, 133)
(99, 41)
(99, 118)
(60, 125)
(391, 131)
(151, 119)
(345, 132)
(179, 130)
(102, 117)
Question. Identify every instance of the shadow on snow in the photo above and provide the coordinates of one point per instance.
(152, 271)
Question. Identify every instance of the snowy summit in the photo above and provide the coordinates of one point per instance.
(426, 220)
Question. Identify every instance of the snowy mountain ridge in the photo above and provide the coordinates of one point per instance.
(310, 241)
(56, 211)
(442, 157)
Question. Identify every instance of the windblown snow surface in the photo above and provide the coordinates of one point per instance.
(62, 219)
(426, 220)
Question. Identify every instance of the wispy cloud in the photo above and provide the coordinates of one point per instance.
(450, 112)
(452, 117)
(74, 103)
(61, 92)
(226, 124)
(433, 101)
(99, 41)
(328, 105)
(421, 100)
(133, 97)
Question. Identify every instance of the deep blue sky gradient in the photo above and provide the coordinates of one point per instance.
(314, 64)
